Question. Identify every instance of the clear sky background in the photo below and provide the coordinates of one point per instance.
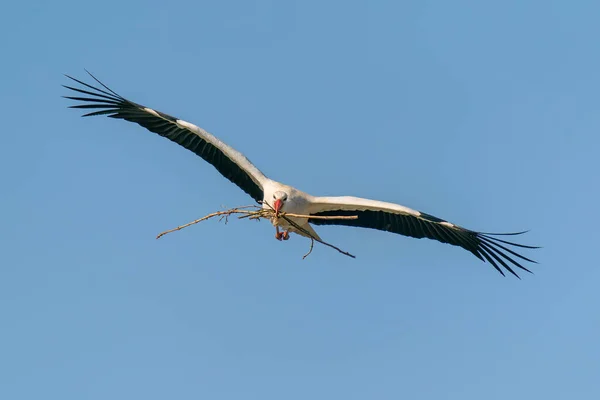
(487, 115)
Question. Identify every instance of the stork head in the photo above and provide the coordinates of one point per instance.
(279, 199)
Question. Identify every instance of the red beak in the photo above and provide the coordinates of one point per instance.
(277, 206)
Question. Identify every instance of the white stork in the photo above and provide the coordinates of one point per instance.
(234, 166)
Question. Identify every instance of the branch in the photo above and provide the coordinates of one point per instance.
(215, 214)
(312, 244)
(310, 235)
(256, 213)
(312, 238)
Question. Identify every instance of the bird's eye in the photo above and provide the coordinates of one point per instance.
(273, 196)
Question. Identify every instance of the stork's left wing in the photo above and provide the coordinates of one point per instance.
(405, 221)
(232, 164)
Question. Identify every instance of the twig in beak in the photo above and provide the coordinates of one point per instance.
(256, 212)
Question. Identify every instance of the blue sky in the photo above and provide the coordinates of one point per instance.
(483, 114)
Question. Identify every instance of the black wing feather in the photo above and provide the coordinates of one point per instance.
(109, 103)
(483, 245)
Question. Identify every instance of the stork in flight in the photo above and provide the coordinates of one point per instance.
(233, 165)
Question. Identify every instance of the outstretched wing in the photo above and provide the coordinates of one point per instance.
(405, 221)
(232, 164)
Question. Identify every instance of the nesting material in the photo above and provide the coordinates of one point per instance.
(256, 213)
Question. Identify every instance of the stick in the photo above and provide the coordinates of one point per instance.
(312, 238)
(318, 216)
(258, 213)
(312, 244)
(298, 227)
(215, 214)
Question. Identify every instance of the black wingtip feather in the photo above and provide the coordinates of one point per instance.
(103, 85)
(496, 251)
(110, 93)
(93, 106)
(89, 99)
(491, 261)
(497, 256)
(504, 233)
(108, 113)
(486, 235)
(487, 240)
(104, 96)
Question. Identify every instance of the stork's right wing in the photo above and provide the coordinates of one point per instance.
(232, 164)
